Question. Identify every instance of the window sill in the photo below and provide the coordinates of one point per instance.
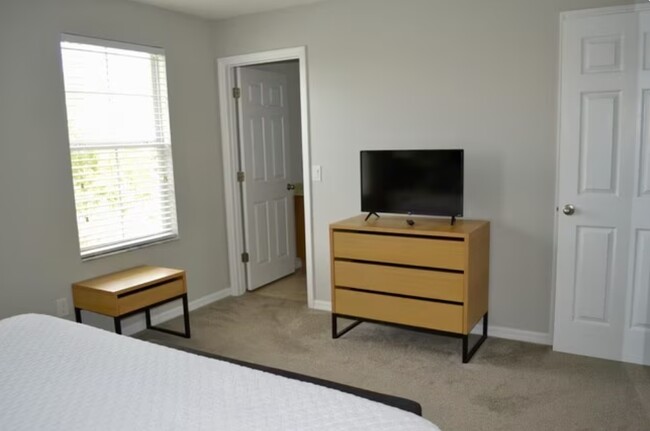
(101, 254)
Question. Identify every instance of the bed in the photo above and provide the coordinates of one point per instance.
(60, 375)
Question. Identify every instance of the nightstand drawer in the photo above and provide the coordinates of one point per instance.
(137, 300)
(425, 252)
(424, 283)
(405, 311)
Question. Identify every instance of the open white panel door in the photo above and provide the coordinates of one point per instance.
(603, 254)
(637, 336)
(267, 195)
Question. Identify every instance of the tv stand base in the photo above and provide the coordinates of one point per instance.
(453, 220)
(371, 213)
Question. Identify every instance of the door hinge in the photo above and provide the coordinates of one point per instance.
(240, 177)
(244, 257)
(236, 92)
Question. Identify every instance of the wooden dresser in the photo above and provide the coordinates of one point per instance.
(431, 275)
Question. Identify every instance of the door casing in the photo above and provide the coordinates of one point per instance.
(233, 200)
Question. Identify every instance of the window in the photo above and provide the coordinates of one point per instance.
(120, 146)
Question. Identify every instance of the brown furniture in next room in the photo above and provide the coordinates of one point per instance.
(299, 211)
(431, 275)
(131, 291)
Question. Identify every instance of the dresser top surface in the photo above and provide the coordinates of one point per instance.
(423, 225)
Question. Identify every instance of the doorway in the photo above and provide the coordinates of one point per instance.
(264, 215)
(268, 114)
(602, 293)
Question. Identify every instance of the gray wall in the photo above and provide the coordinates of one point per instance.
(472, 74)
(382, 74)
(39, 254)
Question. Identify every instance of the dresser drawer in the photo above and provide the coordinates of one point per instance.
(405, 311)
(424, 283)
(414, 251)
(150, 295)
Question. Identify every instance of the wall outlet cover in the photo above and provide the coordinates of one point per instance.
(62, 309)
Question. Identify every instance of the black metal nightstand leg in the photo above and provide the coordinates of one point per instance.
(77, 314)
(118, 325)
(186, 316)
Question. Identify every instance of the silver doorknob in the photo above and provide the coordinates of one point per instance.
(569, 209)
(291, 186)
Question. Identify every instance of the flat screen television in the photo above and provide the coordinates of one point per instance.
(420, 182)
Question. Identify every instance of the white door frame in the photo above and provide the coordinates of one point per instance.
(234, 226)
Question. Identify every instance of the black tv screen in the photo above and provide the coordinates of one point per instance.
(423, 182)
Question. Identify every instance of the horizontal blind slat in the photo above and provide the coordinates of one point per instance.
(137, 162)
(88, 148)
(125, 244)
(93, 229)
(108, 225)
(86, 196)
(107, 207)
(92, 251)
(117, 178)
(94, 236)
(100, 228)
(95, 240)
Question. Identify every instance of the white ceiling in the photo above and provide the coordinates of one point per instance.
(221, 9)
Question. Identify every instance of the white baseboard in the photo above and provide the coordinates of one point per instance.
(493, 331)
(322, 305)
(515, 334)
(158, 318)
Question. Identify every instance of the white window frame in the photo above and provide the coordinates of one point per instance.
(110, 248)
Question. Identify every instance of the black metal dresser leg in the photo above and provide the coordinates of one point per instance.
(467, 354)
(335, 332)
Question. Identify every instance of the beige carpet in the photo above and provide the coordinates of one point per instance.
(508, 385)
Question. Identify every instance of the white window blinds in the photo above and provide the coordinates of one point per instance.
(120, 146)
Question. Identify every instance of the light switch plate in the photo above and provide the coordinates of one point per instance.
(316, 173)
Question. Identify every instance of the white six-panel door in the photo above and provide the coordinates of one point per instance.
(268, 204)
(637, 339)
(603, 247)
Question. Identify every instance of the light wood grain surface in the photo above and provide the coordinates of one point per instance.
(423, 225)
(428, 252)
(478, 277)
(130, 279)
(422, 283)
(405, 311)
(125, 291)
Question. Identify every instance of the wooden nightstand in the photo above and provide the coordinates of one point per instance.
(124, 293)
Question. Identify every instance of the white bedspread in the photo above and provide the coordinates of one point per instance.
(59, 375)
